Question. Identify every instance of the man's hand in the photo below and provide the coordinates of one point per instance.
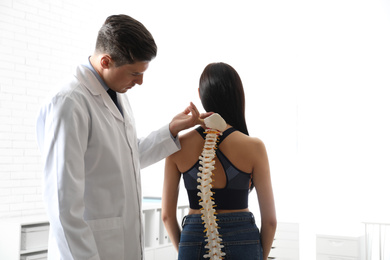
(186, 119)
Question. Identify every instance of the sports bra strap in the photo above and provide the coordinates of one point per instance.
(225, 134)
(201, 131)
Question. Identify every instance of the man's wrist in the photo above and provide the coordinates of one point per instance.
(173, 131)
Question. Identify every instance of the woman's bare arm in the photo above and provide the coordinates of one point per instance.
(169, 201)
(263, 185)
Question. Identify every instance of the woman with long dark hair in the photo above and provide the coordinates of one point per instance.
(241, 164)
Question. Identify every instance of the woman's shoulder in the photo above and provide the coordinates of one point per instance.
(189, 137)
(246, 146)
(242, 150)
(242, 139)
(191, 144)
(188, 141)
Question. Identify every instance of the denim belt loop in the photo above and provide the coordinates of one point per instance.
(182, 222)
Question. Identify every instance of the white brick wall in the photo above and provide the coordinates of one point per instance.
(40, 44)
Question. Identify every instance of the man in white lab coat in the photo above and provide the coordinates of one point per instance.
(92, 156)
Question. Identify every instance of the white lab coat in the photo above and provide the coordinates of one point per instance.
(92, 162)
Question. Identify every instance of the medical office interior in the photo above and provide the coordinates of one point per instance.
(316, 79)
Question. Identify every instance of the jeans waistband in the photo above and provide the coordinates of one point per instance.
(222, 218)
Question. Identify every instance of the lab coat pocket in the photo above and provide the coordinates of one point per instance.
(109, 237)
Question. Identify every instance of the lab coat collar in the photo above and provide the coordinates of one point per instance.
(89, 80)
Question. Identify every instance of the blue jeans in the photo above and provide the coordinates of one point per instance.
(239, 233)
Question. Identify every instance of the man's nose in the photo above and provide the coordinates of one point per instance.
(139, 80)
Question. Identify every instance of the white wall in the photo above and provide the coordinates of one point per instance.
(38, 46)
(315, 75)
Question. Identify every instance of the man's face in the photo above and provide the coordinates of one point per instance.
(123, 78)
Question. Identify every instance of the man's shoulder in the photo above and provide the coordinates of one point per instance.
(75, 84)
(69, 89)
(66, 96)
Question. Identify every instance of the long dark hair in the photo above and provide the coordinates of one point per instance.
(221, 91)
(126, 40)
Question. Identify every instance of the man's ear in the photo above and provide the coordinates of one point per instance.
(105, 61)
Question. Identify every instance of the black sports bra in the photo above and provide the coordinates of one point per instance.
(234, 195)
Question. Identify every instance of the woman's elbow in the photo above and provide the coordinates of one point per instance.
(271, 223)
(167, 217)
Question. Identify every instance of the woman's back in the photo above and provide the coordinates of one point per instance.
(234, 167)
(240, 161)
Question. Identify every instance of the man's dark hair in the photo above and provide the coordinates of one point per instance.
(126, 40)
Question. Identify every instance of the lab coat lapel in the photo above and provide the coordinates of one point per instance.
(126, 109)
(131, 133)
(111, 106)
(89, 80)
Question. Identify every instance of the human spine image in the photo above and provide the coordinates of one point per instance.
(215, 126)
